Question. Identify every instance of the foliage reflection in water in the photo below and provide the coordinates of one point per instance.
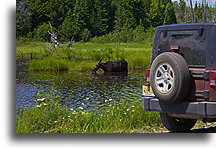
(76, 89)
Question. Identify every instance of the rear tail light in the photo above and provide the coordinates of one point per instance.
(212, 78)
(148, 75)
(174, 47)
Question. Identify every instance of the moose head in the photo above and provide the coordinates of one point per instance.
(99, 65)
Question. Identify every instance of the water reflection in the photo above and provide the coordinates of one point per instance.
(76, 88)
(111, 76)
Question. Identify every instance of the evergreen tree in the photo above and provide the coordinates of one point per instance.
(192, 11)
(83, 19)
(156, 13)
(23, 18)
(197, 13)
(63, 9)
(102, 18)
(124, 15)
(140, 11)
(169, 13)
(66, 29)
(182, 13)
(77, 20)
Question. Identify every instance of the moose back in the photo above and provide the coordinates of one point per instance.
(110, 66)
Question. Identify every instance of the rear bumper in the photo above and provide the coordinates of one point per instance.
(197, 109)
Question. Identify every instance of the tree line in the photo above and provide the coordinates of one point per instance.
(193, 12)
(86, 19)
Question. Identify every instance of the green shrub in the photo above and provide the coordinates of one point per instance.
(122, 36)
(86, 35)
(41, 33)
(149, 34)
(138, 35)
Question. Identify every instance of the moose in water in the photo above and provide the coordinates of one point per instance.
(109, 66)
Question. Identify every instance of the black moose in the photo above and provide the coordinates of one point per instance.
(109, 66)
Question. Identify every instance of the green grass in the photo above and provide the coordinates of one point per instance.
(38, 49)
(122, 116)
(83, 56)
(54, 64)
(117, 116)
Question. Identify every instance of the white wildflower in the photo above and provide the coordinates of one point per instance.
(133, 110)
(69, 116)
(125, 113)
(110, 99)
(133, 106)
(80, 107)
(83, 104)
(106, 100)
(128, 109)
(87, 98)
(71, 108)
(55, 121)
(38, 106)
(41, 99)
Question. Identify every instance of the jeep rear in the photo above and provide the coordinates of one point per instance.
(181, 81)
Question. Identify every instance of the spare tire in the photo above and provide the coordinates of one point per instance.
(170, 77)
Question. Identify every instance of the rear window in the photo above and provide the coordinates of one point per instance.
(191, 43)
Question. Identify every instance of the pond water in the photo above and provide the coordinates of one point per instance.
(75, 88)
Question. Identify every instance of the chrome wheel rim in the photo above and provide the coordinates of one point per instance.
(164, 78)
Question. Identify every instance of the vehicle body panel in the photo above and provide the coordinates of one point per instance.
(194, 41)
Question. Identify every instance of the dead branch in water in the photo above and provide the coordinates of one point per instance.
(54, 40)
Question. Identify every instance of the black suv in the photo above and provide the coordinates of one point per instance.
(181, 80)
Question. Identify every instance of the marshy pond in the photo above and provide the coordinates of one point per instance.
(77, 89)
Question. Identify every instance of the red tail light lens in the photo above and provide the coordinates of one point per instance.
(148, 75)
(174, 47)
(212, 78)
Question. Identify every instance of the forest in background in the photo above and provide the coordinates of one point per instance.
(107, 20)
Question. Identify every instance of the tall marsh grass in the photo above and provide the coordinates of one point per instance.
(83, 56)
(54, 64)
(37, 49)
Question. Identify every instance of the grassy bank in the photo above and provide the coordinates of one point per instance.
(118, 115)
(83, 56)
(122, 116)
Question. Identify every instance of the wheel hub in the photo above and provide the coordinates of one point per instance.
(164, 78)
